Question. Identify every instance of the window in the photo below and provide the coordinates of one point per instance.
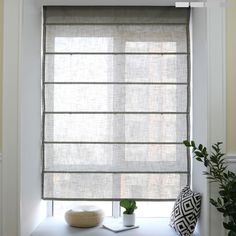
(115, 103)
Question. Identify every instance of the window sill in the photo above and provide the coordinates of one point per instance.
(148, 227)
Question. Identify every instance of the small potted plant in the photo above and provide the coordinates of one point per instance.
(128, 214)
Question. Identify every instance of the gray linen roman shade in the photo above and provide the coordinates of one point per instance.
(115, 102)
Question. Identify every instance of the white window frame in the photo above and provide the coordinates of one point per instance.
(22, 208)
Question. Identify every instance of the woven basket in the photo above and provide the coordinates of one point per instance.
(84, 216)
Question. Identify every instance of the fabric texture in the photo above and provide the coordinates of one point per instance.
(116, 95)
(186, 212)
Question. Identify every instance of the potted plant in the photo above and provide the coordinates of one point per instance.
(128, 214)
(217, 172)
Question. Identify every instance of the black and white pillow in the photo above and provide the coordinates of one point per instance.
(186, 212)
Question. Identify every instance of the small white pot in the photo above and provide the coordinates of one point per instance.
(129, 220)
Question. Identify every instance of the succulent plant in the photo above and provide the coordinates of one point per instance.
(129, 205)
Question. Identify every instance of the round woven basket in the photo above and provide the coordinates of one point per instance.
(84, 216)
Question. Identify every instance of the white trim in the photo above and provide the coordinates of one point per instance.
(216, 93)
(200, 114)
(115, 209)
(216, 72)
(231, 158)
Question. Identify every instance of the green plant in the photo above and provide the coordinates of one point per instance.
(129, 205)
(217, 172)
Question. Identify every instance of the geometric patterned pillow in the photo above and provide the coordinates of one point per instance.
(186, 212)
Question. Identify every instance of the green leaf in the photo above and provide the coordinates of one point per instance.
(230, 226)
(129, 205)
(214, 159)
(231, 174)
(222, 193)
(219, 200)
(199, 159)
(204, 150)
(199, 154)
(186, 143)
(200, 147)
(216, 148)
(213, 202)
(226, 225)
(225, 175)
(222, 210)
(206, 162)
(231, 233)
(193, 144)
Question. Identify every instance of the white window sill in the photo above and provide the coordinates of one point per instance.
(147, 227)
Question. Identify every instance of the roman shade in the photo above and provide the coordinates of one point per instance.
(115, 103)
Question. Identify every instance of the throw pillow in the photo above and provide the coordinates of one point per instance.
(186, 212)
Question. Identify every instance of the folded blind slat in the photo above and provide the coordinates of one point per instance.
(101, 38)
(116, 15)
(82, 98)
(138, 68)
(115, 103)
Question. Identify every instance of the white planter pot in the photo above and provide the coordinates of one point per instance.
(128, 220)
